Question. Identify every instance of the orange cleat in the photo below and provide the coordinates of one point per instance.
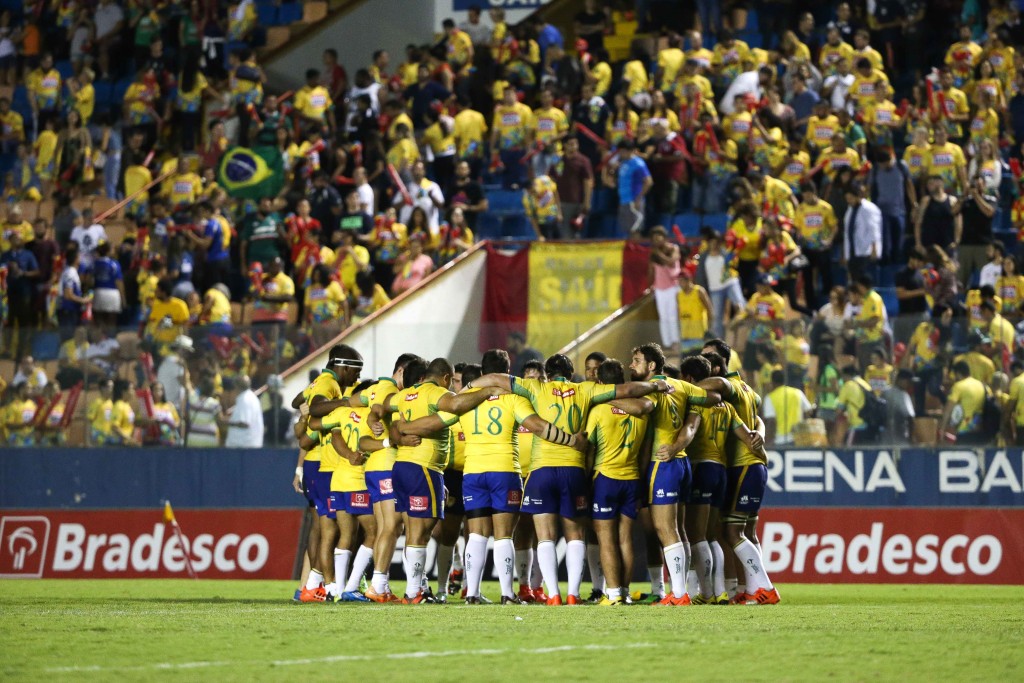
(739, 599)
(318, 594)
(418, 600)
(387, 596)
(573, 600)
(671, 599)
(764, 596)
(539, 595)
(555, 601)
(526, 595)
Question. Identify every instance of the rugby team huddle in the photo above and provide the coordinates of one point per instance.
(679, 448)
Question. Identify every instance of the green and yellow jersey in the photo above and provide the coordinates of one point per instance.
(617, 437)
(375, 395)
(325, 385)
(566, 405)
(491, 437)
(351, 423)
(421, 401)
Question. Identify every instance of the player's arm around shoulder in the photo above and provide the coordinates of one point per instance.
(637, 407)
(458, 404)
(683, 439)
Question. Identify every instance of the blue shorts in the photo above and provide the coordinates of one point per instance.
(493, 491)
(453, 501)
(745, 486)
(708, 484)
(614, 497)
(557, 490)
(355, 503)
(419, 492)
(318, 487)
(668, 483)
(379, 485)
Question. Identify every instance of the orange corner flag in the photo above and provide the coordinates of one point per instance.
(168, 513)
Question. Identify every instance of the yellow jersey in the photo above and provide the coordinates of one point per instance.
(21, 412)
(375, 395)
(458, 445)
(795, 350)
(1010, 288)
(833, 161)
(851, 399)
(821, 130)
(670, 411)
(511, 124)
(917, 160)
(617, 438)
(99, 414)
(617, 130)
(923, 344)
(351, 424)
(1017, 394)
(421, 401)
(815, 223)
(548, 124)
(985, 124)
(326, 385)
(730, 59)
(395, 122)
(746, 402)
(794, 170)
(602, 75)
(469, 130)
(787, 409)
(712, 435)
(442, 144)
(167, 319)
(969, 394)
(751, 236)
(946, 161)
(981, 365)
(635, 73)
(830, 55)
(85, 102)
(693, 315)
(491, 436)
(566, 405)
(864, 90)
(122, 419)
(879, 377)
(872, 307)
(670, 61)
(313, 103)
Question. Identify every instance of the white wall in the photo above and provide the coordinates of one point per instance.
(376, 24)
(442, 320)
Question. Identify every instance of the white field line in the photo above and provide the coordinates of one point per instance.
(171, 666)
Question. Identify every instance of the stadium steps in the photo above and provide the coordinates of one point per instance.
(439, 317)
(618, 334)
(295, 21)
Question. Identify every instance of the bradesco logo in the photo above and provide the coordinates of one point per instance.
(888, 545)
(77, 550)
(23, 543)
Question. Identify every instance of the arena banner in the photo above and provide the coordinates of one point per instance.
(102, 544)
(920, 545)
(572, 288)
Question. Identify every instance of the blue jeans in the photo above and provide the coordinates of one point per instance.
(732, 293)
(515, 172)
(709, 192)
(892, 238)
(710, 15)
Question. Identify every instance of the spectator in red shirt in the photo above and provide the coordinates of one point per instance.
(575, 181)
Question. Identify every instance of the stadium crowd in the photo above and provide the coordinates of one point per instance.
(840, 167)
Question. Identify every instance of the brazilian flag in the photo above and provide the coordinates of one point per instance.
(251, 173)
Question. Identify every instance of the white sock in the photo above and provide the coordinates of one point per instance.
(476, 560)
(416, 559)
(594, 565)
(688, 561)
(332, 589)
(460, 550)
(657, 582)
(731, 587)
(379, 582)
(703, 564)
(342, 560)
(575, 557)
(547, 558)
(612, 593)
(752, 567)
(504, 557)
(314, 580)
(444, 565)
(524, 565)
(536, 575)
(757, 547)
(363, 558)
(718, 575)
(675, 560)
(692, 583)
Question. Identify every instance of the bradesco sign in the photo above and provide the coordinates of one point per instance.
(236, 544)
(837, 545)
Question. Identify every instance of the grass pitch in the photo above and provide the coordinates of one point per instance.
(249, 630)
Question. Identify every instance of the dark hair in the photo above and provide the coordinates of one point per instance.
(558, 365)
(404, 360)
(495, 360)
(719, 365)
(962, 368)
(778, 377)
(627, 144)
(518, 336)
(720, 347)
(332, 52)
(470, 373)
(867, 282)
(120, 386)
(987, 291)
(311, 74)
(670, 371)
(534, 365)
(696, 367)
(439, 367)
(598, 356)
(850, 371)
(611, 372)
(415, 371)
(652, 353)
(362, 386)
(988, 306)
(165, 285)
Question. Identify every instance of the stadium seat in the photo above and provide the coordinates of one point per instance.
(120, 88)
(717, 221)
(267, 15)
(289, 13)
(7, 162)
(104, 95)
(751, 38)
(689, 224)
(887, 276)
(892, 304)
(601, 200)
(45, 346)
(516, 226)
(505, 201)
(64, 68)
(752, 21)
(488, 226)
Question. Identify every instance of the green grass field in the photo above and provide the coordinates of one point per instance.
(249, 630)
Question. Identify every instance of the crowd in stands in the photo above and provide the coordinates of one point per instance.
(835, 189)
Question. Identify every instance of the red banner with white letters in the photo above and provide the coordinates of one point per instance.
(222, 544)
(886, 545)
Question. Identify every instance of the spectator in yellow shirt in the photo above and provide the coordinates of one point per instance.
(964, 406)
(313, 102)
(19, 417)
(459, 46)
(869, 324)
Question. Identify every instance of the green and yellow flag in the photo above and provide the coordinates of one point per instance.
(251, 173)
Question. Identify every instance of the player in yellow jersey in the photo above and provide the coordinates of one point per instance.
(492, 488)
(525, 536)
(557, 486)
(378, 471)
(667, 483)
(617, 438)
(322, 396)
(704, 436)
(417, 475)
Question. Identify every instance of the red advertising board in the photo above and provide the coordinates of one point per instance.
(885, 545)
(222, 544)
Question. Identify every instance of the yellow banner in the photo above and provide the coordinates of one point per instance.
(572, 288)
